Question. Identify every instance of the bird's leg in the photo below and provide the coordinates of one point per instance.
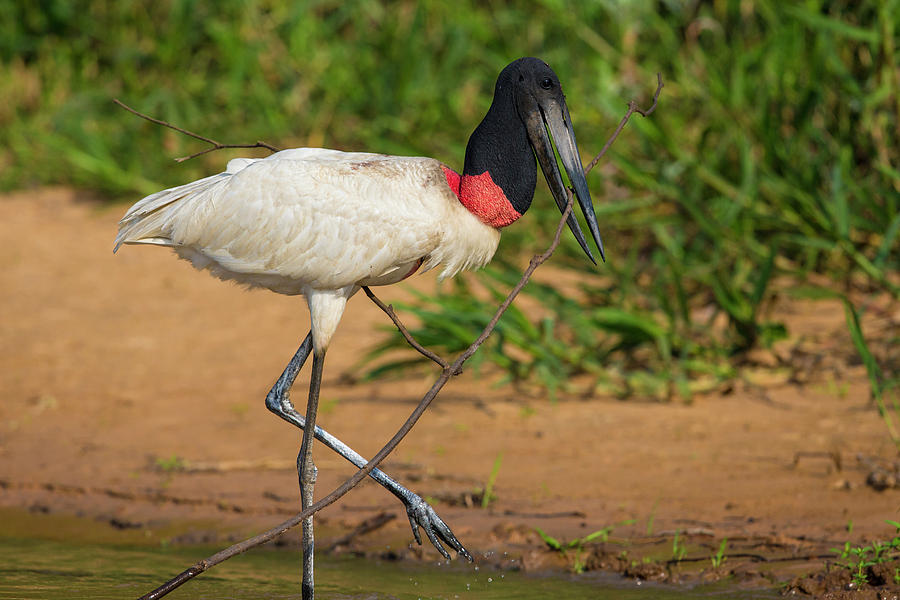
(278, 398)
(307, 470)
(419, 512)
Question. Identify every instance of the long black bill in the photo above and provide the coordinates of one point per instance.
(554, 116)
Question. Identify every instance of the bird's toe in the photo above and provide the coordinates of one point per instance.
(436, 530)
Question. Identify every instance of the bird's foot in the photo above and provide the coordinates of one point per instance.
(421, 514)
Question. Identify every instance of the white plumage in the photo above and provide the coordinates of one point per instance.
(316, 222)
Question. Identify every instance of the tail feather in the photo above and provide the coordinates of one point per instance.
(144, 223)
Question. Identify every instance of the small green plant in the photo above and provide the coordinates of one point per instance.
(860, 565)
(168, 467)
(858, 559)
(328, 405)
(552, 542)
(172, 464)
(489, 495)
(719, 557)
(679, 550)
(239, 409)
(578, 544)
(837, 389)
(578, 564)
(843, 553)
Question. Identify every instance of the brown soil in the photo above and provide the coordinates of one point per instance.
(132, 396)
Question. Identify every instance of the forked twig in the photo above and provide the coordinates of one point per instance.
(215, 145)
(389, 311)
(446, 373)
(632, 108)
(362, 473)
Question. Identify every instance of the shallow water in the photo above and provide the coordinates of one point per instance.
(50, 570)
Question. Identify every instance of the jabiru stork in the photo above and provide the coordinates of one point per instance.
(323, 223)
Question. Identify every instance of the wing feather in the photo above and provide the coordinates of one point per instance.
(314, 218)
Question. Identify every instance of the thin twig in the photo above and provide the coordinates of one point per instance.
(215, 145)
(632, 108)
(364, 471)
(368, 526)
(389, 311)
(446, 373)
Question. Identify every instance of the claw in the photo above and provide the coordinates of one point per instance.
(434, 542)
(414, 525)
(421, 514)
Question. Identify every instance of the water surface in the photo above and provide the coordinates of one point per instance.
(53, 570)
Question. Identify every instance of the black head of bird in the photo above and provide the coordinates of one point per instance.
(527, 118)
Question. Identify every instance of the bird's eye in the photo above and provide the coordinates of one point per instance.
(546, 83)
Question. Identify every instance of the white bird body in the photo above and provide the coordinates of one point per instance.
(316, 222)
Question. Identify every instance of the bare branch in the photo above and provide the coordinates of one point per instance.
(648, 111)
(219, 146)
(363, 472)
(632, 108)
(368, 526)
(389, 311)
(446, 373)
(215, 145)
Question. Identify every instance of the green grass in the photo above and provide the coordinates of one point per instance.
(488, 496)
(679, 549)
(771, 161)
(172, 464)
(719, 558)
(578, 545)
(858, 559)
(768, 164)
(408, 77)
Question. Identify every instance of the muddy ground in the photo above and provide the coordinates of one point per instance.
(132, 394)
